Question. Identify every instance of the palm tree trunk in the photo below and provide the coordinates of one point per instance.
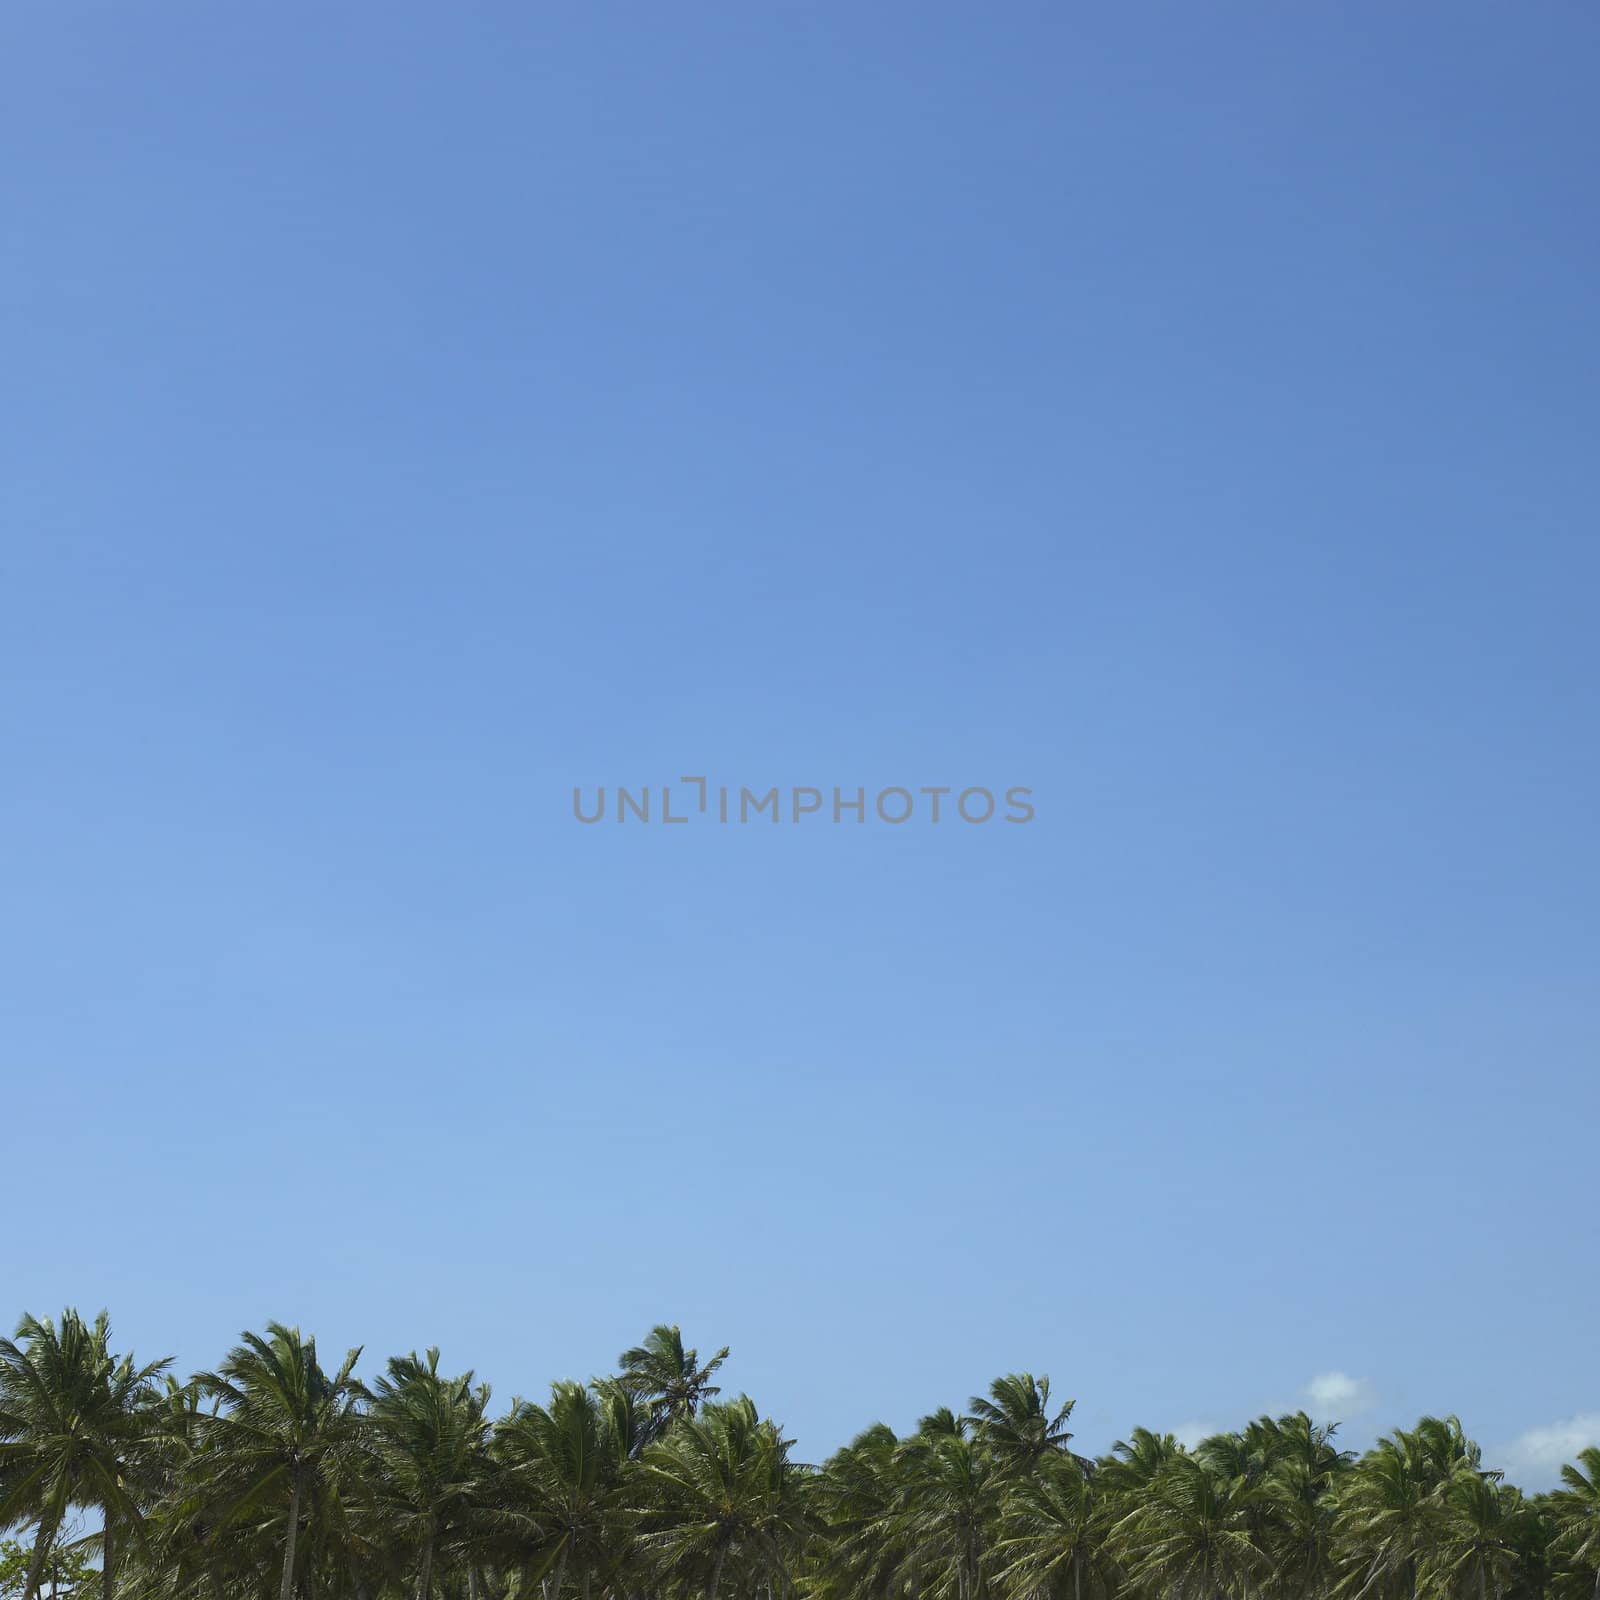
(286, 1588)
(108, 1580)
(1373, 1573)
(41, 1554)
(425, 1577)
(716, 1572)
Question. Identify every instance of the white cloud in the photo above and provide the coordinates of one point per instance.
(1535, 1458)
(1189, 1434)
(1334, 1396)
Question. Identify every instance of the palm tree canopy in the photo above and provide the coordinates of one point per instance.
(75, 1429)
(671, 1378)
(274, 1478)
(1016, 1421)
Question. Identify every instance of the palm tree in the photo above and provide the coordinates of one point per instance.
(1275, 1466)
(1135, 1462)
(1191, 1536)
(430, 1439)
(1016, 1424)
(271, 1479)
(857, 1498)
(175, 1556)
(1050, 1543)
(627, 1416)
(669, 1377)
(725, 1491)
(1301, 1491)
(941, 1424)
(1392, 1510)
(1479, 1545)
(563, 1468)
(1575, 1513)
(279, 1450)
(72, 1429)
(1387, 1521)
(948, 1506)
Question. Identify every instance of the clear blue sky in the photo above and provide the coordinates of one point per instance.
(1190, 413)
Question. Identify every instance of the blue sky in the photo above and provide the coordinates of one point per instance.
(414, 412)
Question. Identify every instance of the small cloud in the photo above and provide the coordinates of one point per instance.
(1189, 1434)
(1336, 1396)
(1535, 1458)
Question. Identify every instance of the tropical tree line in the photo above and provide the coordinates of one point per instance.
(276, 1477)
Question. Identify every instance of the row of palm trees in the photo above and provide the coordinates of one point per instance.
(274, 1476)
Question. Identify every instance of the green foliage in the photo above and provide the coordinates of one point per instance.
(75, 1435)
(68, 1573)
(272, 1478)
